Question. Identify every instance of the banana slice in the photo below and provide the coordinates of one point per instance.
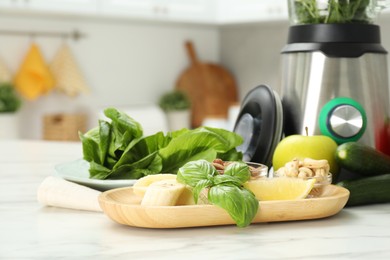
(163, 193)
(187, 197)
(140, 187)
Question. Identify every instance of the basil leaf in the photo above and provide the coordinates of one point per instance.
(241, 204)
(240, 170)
(227, 180)
(202, 184)
(193, 172)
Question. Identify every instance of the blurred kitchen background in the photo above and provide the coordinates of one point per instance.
(130, 52)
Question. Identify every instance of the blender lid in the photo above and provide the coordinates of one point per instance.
(260, 124)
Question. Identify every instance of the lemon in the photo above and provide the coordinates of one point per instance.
(283, 188)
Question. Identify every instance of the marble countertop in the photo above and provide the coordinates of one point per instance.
(32, 231)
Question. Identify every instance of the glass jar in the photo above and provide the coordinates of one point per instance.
(335, 11)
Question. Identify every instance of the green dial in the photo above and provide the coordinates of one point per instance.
(343, 119)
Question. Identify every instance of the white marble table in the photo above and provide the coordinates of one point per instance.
(29, 230)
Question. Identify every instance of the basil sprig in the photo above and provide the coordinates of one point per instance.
(225, 190)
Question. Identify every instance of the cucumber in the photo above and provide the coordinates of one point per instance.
(368, 190)
(362, 159)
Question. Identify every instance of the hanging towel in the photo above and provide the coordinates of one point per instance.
(34, 78)
(5, 74)
(64, 68)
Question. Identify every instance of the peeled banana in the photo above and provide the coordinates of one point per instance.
(185, 198)
(163, 193)
(140, 187)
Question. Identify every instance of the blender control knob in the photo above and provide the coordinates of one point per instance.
(343, 119)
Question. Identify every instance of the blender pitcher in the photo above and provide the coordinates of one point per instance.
(334, 72)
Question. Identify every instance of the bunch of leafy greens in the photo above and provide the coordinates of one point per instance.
(338, 11)
(119, 150)
(225, 190)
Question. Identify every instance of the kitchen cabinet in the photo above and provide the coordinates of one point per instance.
(68, 6)
(13, 4)
(230, 11)
(204, 11)
(216, 12)
(176, 10)
(50, 6)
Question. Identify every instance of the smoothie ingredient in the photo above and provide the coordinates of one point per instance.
(119, 150)
(283, 188)
(224, 190)
(362, 159)
(368, 190)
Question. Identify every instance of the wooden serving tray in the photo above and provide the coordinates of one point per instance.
(123, 206)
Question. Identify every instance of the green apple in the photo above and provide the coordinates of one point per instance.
(317, 147)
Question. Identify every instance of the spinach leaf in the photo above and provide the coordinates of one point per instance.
(117, 149)
(98, 171)
(201, 143)
(124, 130)
(104, 139)
(142, 147)
(90, 148)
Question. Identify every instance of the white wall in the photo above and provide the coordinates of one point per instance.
(252, 51)
(125, 63)
(128, 63)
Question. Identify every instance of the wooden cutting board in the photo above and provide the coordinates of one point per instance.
(210, 87)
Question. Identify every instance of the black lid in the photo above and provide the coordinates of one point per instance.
(342, 33)
(337, 40)
(260, 123)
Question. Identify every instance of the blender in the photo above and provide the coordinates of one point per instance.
(334, 81)
(334, 72)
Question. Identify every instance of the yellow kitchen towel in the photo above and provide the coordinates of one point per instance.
(33, 78)
(5, 74)
(66, 71)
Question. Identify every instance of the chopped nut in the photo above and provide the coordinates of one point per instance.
(308, 172)
(311, 163)
(218, 166)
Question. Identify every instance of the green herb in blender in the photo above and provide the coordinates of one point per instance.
(331, 11)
